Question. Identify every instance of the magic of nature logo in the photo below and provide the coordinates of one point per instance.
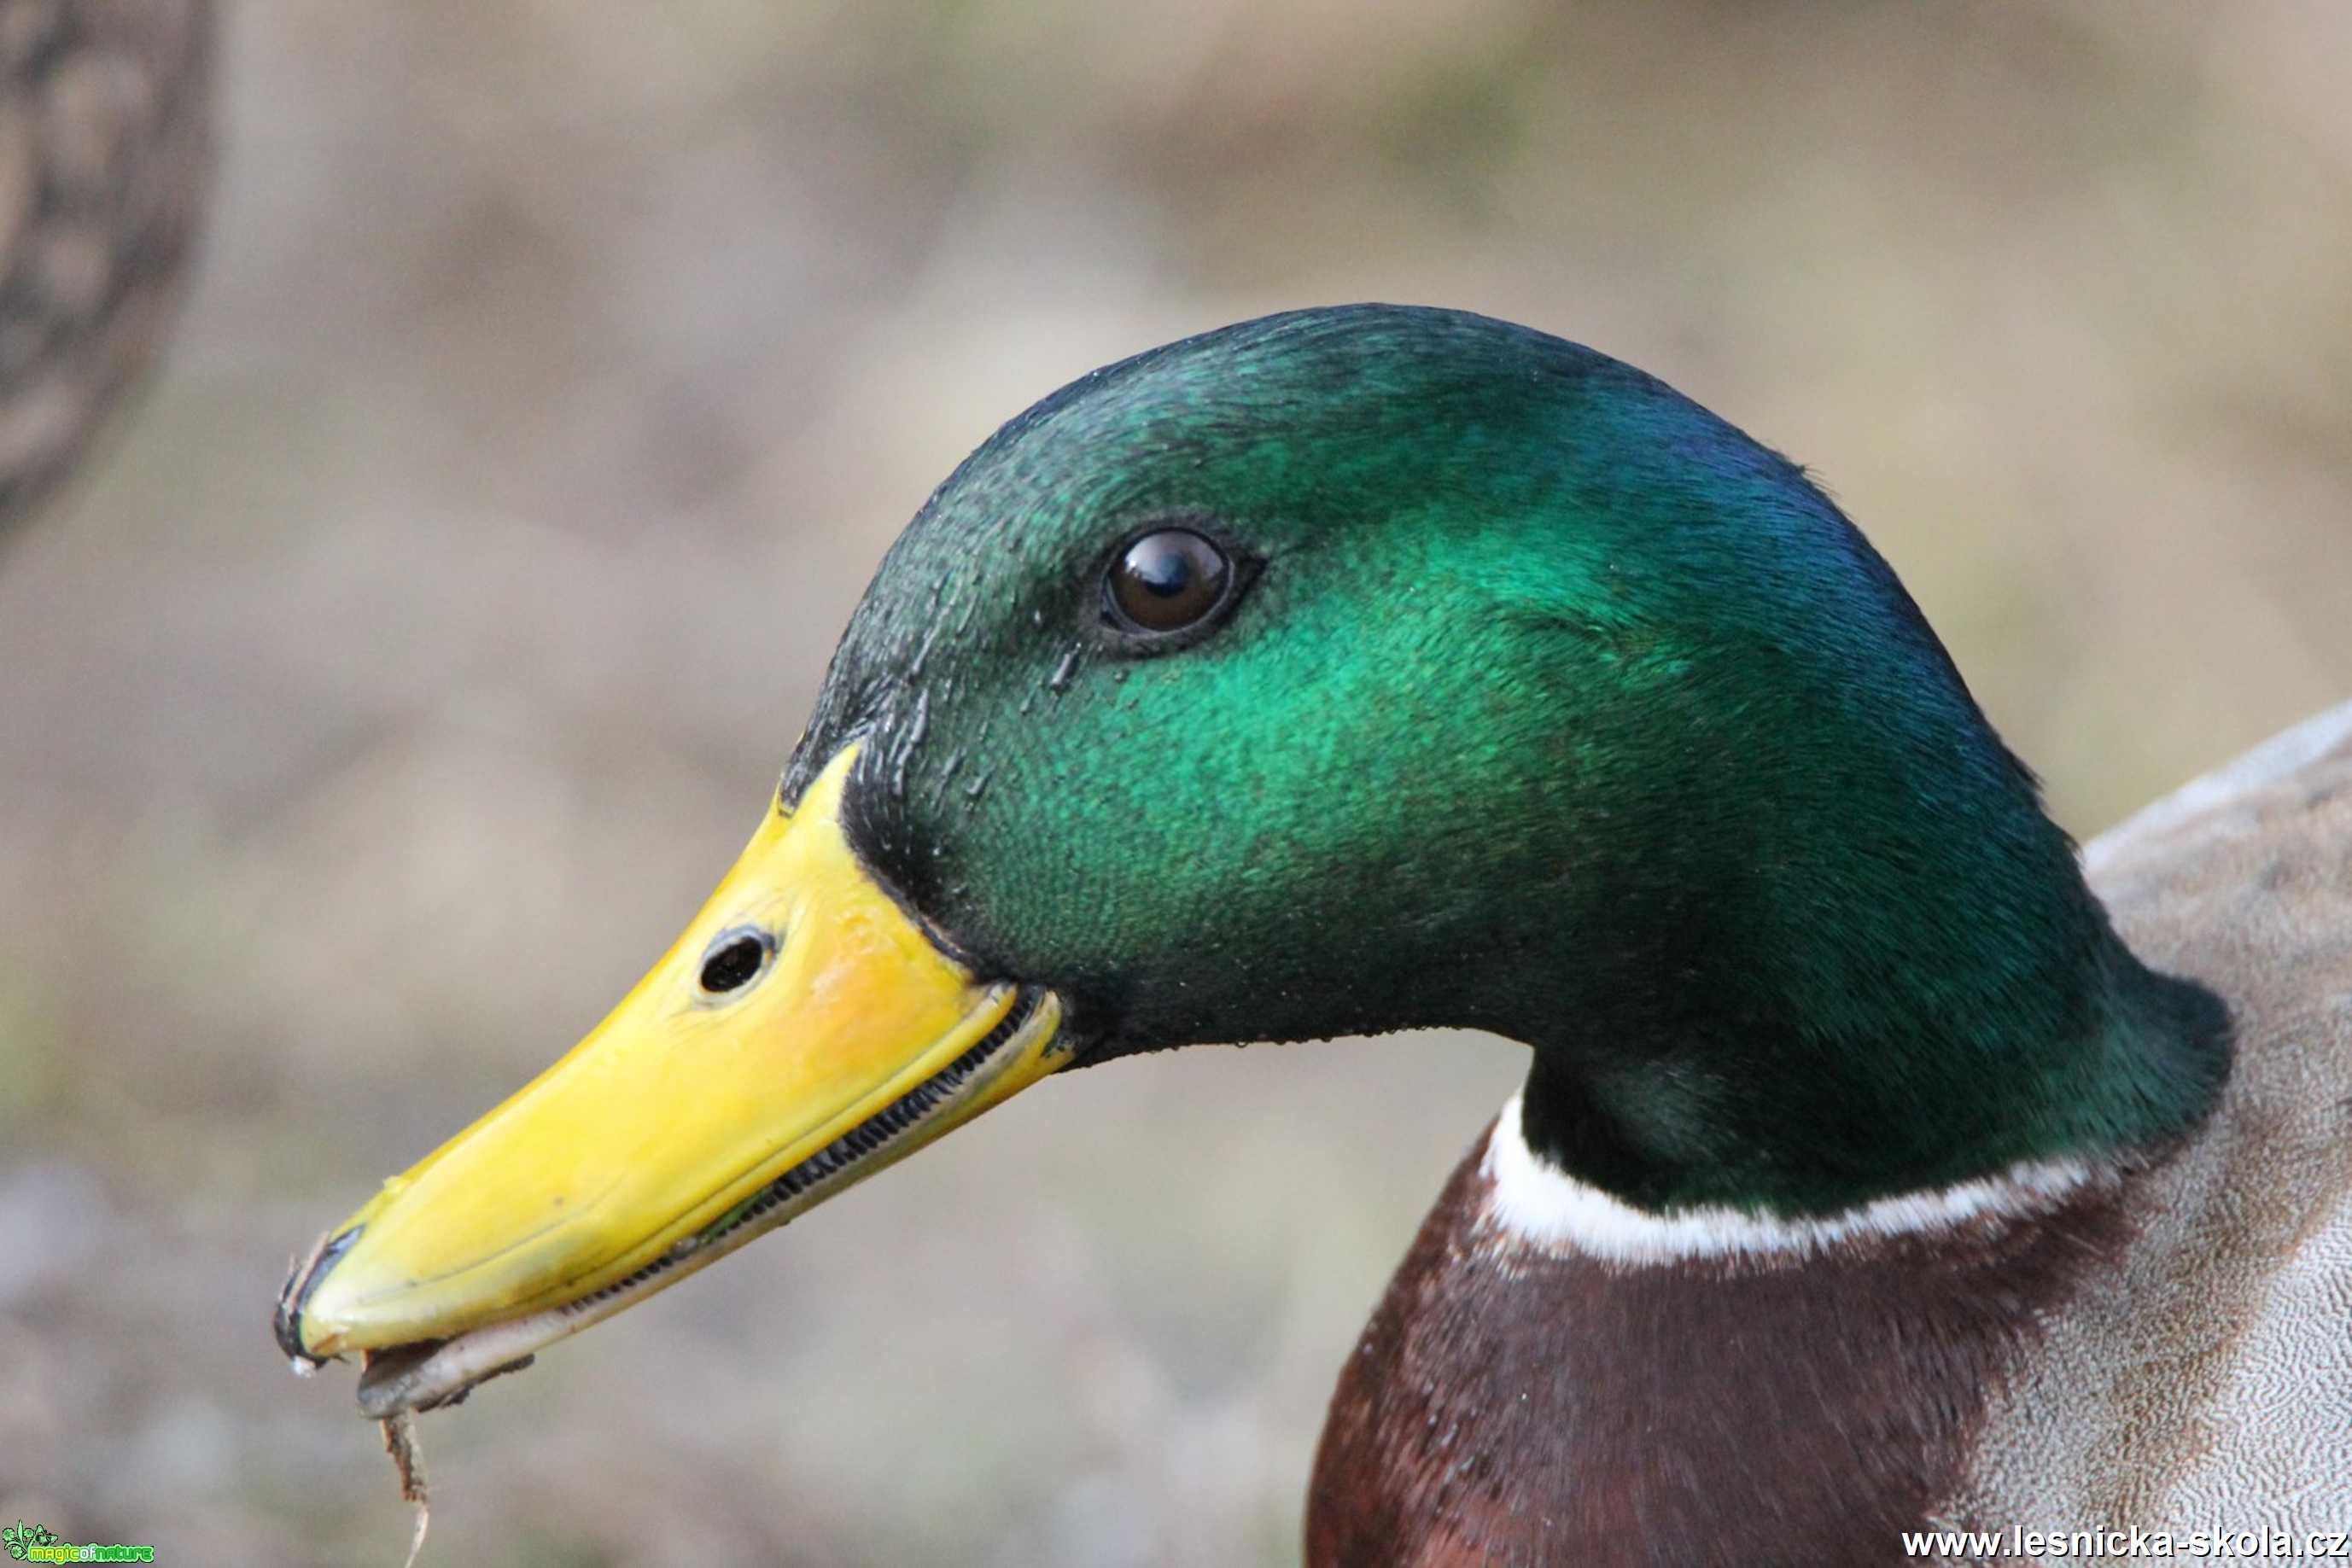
(38, 1543)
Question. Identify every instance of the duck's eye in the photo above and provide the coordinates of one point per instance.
(1168, 580)
(734, 960)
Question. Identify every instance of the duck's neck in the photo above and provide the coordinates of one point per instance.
(1803, 1056)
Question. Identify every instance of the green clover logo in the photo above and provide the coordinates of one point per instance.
(21, 1538)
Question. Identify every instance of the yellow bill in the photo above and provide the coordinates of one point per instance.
(800, 1034)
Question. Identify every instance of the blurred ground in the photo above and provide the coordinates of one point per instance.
(430, 638)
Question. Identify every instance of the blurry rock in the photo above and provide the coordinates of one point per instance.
(104, 134)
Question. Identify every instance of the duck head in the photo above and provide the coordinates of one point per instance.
(1345, 670)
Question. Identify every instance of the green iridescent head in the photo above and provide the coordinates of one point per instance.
(1529, 697)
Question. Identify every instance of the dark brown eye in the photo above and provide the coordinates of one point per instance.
(1168, 580)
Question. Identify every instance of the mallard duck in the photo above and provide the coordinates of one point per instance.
(104, 149)
(1374, 668)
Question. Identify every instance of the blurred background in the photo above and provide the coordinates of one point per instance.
(402, 670)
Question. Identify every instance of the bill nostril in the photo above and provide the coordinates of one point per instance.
(734, 959)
